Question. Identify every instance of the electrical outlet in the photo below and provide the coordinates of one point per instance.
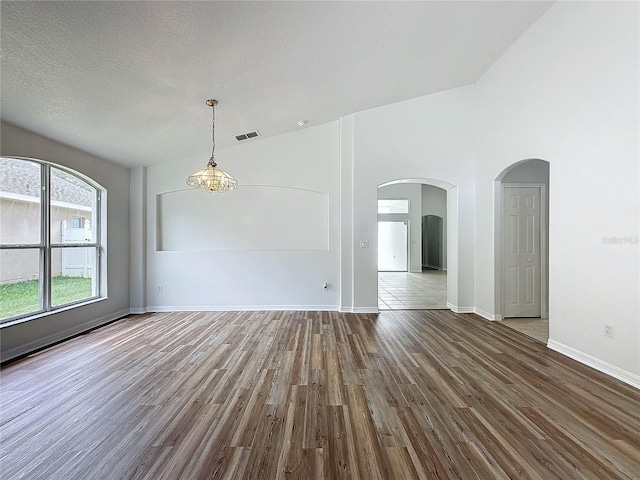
(160, 289)
(608, 331)
(364, 243)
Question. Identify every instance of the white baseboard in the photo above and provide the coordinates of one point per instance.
(487, 315)
(477, 311)
(61, 335)
(241, 308)
(365, 310)
(253, 308)
(457, 309)
(595, 363)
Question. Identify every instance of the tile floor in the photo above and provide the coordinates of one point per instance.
(537, 328)
(412, 291)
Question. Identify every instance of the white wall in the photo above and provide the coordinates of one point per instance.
(138, 233)
(568, 92)
(434, 202)
(284, 220)
(428, 137)
(24, 337)
(413, 193)
(347, 239)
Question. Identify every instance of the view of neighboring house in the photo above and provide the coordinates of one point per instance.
(72, 207)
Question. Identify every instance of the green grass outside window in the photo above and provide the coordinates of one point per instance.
(23, 297)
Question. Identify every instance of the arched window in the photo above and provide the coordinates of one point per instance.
(50, 238)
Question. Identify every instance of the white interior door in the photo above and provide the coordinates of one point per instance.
(521, 251)
(392, 247)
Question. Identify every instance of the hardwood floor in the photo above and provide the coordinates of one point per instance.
(278, 395)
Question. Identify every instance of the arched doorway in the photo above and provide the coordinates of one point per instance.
(522, 240)
(415, 235)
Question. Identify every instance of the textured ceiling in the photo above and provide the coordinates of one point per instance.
(128, 80)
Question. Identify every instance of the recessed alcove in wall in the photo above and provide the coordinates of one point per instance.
(521, 216)
(254, 217)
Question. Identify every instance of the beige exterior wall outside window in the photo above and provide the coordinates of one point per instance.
(50, 250)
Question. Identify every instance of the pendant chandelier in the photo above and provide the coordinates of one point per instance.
(211, 178)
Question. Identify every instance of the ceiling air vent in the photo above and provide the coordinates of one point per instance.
(248, 135)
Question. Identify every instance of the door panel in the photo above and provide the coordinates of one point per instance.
(392, 247)
(530, 235)
(514, 228)
(521, 252)
(513, 279)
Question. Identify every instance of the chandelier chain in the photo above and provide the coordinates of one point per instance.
(213, 129)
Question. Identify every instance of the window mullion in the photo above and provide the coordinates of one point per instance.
(45, 267)
(98, 239)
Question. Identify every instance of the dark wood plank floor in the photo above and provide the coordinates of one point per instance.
(277, 395)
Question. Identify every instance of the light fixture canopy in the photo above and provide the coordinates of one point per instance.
(212, 178)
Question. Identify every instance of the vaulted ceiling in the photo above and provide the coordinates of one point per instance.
(128, 80)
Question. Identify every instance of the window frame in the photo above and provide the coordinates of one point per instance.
(46, 246)
(405, 202)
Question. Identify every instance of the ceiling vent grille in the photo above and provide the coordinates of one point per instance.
(246, 136)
